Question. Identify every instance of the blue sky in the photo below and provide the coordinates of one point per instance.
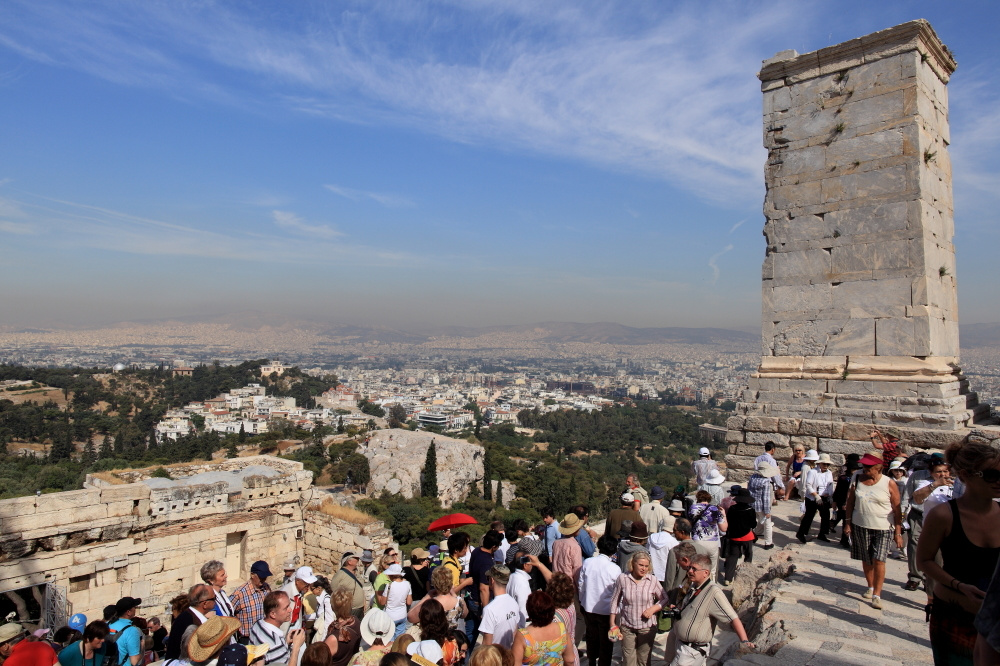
(412, 163)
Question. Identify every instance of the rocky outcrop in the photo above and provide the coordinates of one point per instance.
(396, 458)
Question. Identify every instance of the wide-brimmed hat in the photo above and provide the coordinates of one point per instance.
(825, 458)
(733, 490)
(811, 454)
(743, 497)
(871, 458)
(570, 523)
(767, 470)
(366, 556)
(348, 556)
(10, 631)
(377, 624)
(657, 493)
(429, 650)
(211, 636)
(255, 652)
(393, 570)
(418, 554)
(668, 523)
(638, 530)
(676, 505)
(715, 478)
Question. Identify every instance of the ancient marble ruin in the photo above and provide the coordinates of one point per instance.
(859, 319)
(130, 534)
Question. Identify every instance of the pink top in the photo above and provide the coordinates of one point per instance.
(567, 557)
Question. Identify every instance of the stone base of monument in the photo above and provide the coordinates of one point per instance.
(831, 404)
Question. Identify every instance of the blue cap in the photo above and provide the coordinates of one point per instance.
(261, 569)
(78, 622)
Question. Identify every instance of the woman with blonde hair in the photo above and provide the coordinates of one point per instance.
(636, 599)
(793, 470)
(491, 655)
(454, 607)
(966, 534)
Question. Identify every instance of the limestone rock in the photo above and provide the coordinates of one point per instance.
(396, 458)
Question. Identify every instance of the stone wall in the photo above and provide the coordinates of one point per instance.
(859, 321)
(327, 538)
(397, 459)
(113, 540)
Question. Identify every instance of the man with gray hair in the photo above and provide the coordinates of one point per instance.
(214, 574)
(702, 606)
(201, 599)
(679, 557)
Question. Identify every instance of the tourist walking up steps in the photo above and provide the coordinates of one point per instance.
(870, 501)
(966, 532)
(768, 457)
(760, 486)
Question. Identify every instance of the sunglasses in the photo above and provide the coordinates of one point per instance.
(693, 569)
(991, 475)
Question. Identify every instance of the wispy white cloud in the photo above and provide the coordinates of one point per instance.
(736, 226)
(713, 262)
(293, 222)
(636, 90)
(73, 224)
(387, 200)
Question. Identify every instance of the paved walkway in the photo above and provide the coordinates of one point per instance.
(820, 606)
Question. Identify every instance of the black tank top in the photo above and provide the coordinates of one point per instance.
(969, 563)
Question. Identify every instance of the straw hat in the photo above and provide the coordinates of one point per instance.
(570, 524)
(10, 631)
(824, 458)
(255, 652)
(211, 637)
(767, 470)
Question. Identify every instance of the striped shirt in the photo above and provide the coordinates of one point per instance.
(264, 633)
(769, 459)
(248, 606)
(631, 597)
(223, 607)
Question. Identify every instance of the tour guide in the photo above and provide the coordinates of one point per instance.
(702, 606)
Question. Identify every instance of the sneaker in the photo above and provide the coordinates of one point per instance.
(868, 593)
(727, 583)
(877, 603)
(767, 547)
(911, 585)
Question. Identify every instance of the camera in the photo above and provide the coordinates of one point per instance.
(524, 560)
(671, 613)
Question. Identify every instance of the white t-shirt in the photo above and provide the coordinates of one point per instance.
(660, 544)
(939, 495)
(395, 604)
(519, 587)
(501, 618)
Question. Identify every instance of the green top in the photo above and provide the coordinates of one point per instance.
(72, 655)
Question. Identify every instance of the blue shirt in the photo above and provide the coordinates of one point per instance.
(586, 543)
(552, 534)
(129, 641)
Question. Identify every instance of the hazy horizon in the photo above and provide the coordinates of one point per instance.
(416, 164)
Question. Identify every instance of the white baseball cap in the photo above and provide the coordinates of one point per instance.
(703, 451)
(306, 575)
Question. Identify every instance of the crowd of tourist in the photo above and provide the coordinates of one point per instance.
(663, 564)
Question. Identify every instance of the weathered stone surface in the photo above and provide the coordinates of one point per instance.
(396, 458)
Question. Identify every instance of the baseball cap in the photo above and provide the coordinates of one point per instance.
(703, 451)
(348, 556)
(627, 498)
(261, 569)
(125, 604)
(233, 655)
(305, 574)
(499, 573)
(78, 621)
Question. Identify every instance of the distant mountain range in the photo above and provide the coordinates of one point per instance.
(972, 335)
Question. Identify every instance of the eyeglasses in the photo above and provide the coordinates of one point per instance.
(991, 475)
(694, 569)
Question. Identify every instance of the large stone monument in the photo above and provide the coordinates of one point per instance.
(860, 317)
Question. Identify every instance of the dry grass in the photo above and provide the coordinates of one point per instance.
(334, 510)
(109, 477)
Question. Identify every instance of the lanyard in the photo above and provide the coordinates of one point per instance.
(692, 595)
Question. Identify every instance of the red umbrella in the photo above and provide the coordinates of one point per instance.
(450, 521)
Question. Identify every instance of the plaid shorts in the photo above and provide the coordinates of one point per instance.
(869, 545)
